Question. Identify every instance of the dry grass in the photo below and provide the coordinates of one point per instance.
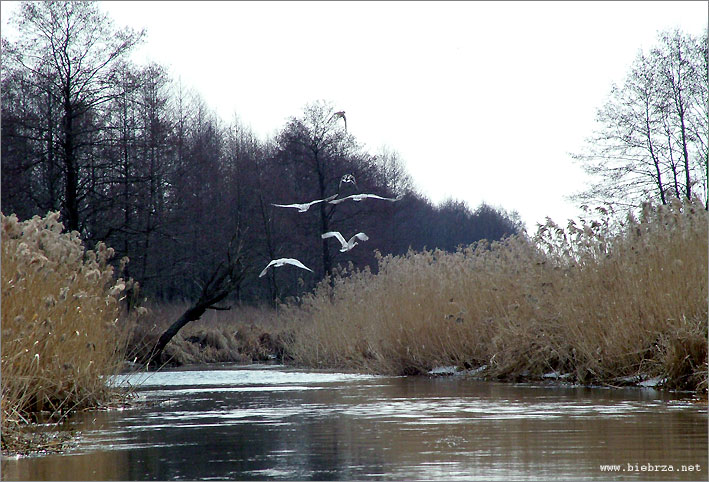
(596, 300)
(60, 314)
(242, 334)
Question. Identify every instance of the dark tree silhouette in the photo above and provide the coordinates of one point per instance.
(67, 51)
(134, 159)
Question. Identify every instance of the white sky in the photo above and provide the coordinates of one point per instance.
(484, 101)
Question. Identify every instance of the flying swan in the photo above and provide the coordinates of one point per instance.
(348, 178)
(360, 197)
(280, 262)
(341, 115)
(305, 206)
(346, 245)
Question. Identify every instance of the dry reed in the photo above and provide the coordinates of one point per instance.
(60, 310)
(243, 334)
(598, 301)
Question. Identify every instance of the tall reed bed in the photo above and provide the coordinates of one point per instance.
(595, 301)
(60, 314)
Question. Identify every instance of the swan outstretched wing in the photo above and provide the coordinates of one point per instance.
(266, 268)
(280, 262)
(361, 197)
(375, 196)
(305, 206)
(300, 207)
(360, 236)
(295, 262)
(337, 235)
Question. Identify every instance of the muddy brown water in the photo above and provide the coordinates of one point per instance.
(266, 422)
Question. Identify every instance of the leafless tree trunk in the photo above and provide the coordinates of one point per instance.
(651, 141)
(224, 280)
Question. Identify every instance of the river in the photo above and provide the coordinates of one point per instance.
(265, 422)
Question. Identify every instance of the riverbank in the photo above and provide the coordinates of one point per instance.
(598, 302)
(595, 303)
(243, 334)
(60, 329)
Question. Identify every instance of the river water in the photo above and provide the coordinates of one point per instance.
(264, 422)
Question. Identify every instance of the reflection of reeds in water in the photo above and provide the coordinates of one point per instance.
(596, 300)
(59, 323)
(97, 465)
(408, 429)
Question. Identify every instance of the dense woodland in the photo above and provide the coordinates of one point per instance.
(131, 157)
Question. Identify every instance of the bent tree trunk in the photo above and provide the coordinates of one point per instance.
(225, 279)
(191, 314)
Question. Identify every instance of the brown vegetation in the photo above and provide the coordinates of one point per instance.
(598, 301)
(60, 317)
(243, 334)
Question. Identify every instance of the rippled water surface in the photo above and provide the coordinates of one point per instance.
(271, 422)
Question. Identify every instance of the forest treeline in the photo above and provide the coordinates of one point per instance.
(132, 158)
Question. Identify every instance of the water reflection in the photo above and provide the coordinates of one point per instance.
(274, 423)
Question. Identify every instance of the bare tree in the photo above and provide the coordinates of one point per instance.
(316, 147)
(651, 141)
(69, 49)
(153, 172)
(226, 278)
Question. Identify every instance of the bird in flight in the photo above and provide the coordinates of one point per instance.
(348, 179)
(305, 206)
(340, 114)
(346, 245)
(282, 261)
(360, 197)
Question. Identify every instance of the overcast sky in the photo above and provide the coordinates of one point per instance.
(484, 101)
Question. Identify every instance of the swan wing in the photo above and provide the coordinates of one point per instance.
(337, 235)
(266, 268)
(297, 263)
(299, 207)
(327, 199)
(338, 201)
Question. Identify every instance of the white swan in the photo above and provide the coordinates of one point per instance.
(305, 206)
(346, 245)
(347, 178)
(360, 197)
(280, 262)
(340, 114)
